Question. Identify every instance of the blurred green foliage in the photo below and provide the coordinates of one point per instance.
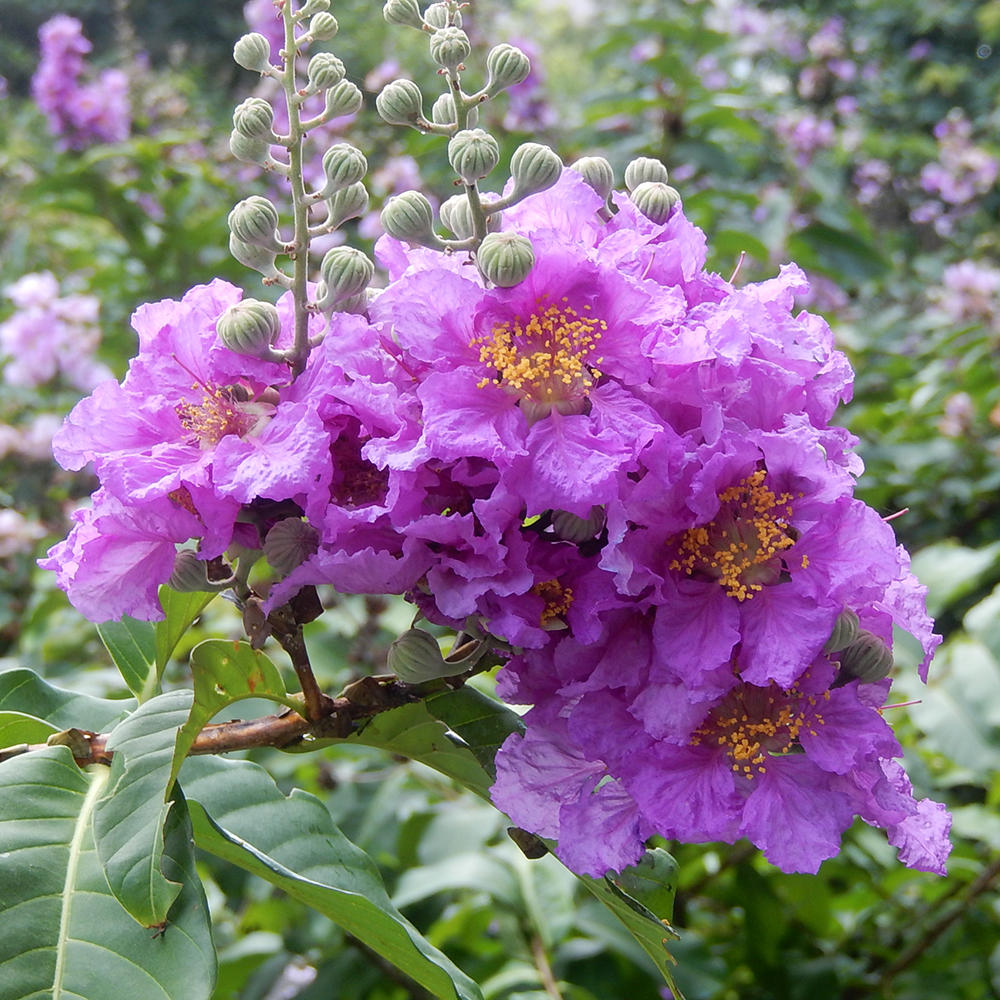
(716, 90)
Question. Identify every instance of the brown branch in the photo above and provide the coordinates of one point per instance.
(545, 973)
(976, 888)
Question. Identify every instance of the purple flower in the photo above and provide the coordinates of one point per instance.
(80, 113)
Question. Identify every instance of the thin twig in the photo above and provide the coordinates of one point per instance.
(541, 960)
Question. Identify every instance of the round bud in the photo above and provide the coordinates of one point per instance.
(324, 70)
(597, 172)
(343, 165)
(845, 630)
(437, 14)
(450, 48)
(348, 203)
(534, 168)
(656, 201)
(473, 154)
(416, 657)
(866, 659)
(289, 544)
(400, 103)
(346, 272)
(323, 26)
(443, 111)
(344, 99)
(505, 258)
(252, 256)
(403, 12)
(249, 149)
(190, 574)
(409, 217)
(249, 327)
(572, 528)
(456, 214)
(254, 118)
(645, 169)
(310, 7)
(254, 220)
(253, 52)
(506, 66)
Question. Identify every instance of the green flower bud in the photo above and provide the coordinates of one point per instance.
(346, 204)
(249, 149)
(534, 168)
(655, 200)
(437, 16)
(409, 217)
(356, 304)
(346, 273)
(323, 26)
(506, 66)
(866, 659)
(416, 657)
(249, 327)
(343, 165)
(311, 7)
(572, 528)
(597, 172)
(344, 99)
(254, 220)
(443, 112)
(473, 154)
(289, 544)
(403, 12)
(845, 630)
(253, 52)
(325, 70)
(190, 575)
(505, 258)
(645, 169)
(456, 214)
(450, 48)
(252, 256)
(254, 118)
(400, 103)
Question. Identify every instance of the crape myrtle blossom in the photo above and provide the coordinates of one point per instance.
(622, 468)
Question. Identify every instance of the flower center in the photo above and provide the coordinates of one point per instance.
(557, 599)
(752, 724)
(221, 412)
(742, 547)
(356, 481)
(547, 360)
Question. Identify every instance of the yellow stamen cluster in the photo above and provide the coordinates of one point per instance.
(753, 724)
(741, 548)
(217, 415)
(546, 358)
(557, 599)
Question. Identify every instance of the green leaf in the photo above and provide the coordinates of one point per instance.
(17, 727)
(951, 571)
(22, 690)
(226, 672)
(240, 815)
(180, 612)
(651, 932)
(132, 646)
(836, 252)
(65, 935)
(129, 817)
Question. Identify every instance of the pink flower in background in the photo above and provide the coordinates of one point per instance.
(80, 111)
(50, 335)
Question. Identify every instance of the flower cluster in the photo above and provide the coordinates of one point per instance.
(622, 467)
(81, 112)
(50, 334)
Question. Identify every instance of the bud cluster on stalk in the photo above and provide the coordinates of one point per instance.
(472, 217)
(256, 235)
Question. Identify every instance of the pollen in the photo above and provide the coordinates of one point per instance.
(753, 724)
(742, 548)
(548, 359)
(557, 598)
(218, 414)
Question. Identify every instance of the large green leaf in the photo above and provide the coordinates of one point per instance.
(132, 646)
(64, 934)
(129, 817)
(22, 690)
(240, 815)
(180, 611)
(18, 727)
